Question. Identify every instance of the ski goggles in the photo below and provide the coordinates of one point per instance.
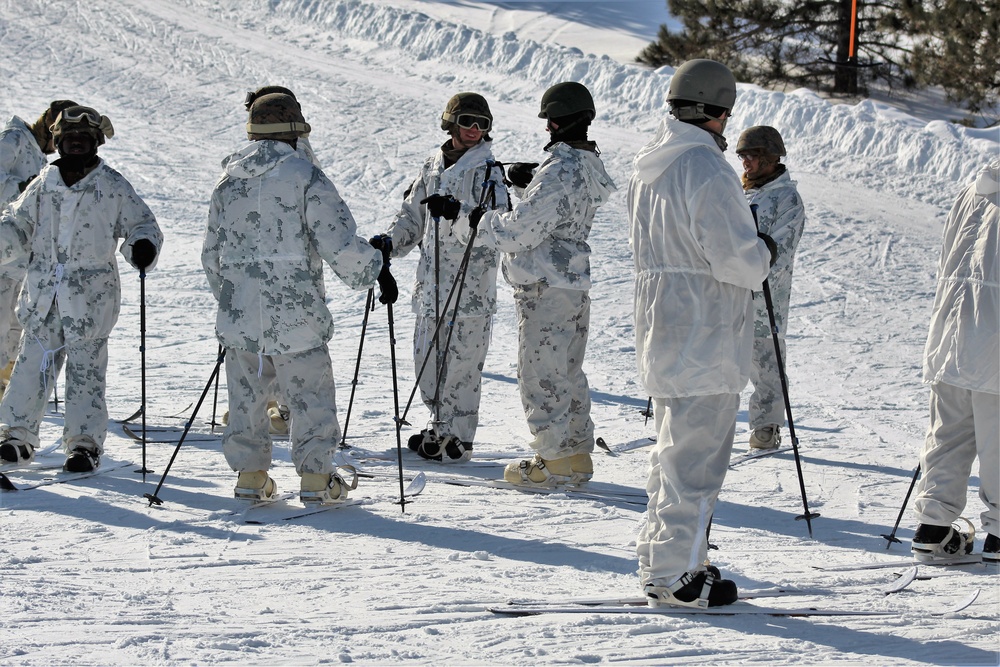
(80, 115)
(467, 121)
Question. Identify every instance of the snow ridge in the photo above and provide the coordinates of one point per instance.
(850, 140)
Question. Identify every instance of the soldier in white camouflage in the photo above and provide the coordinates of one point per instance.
(23, 148)
(68, 223)
(277, 410)
(780, 215)
(547, 260)
(450, 185)
(274, 218)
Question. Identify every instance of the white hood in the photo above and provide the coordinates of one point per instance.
(673, 139)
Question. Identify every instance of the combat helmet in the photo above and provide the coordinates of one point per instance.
(567, 99)
(466, 110)
(276, 116)
(761, 140)
(700, 88)
(81, 119)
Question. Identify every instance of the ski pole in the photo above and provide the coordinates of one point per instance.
(369, 305)
(215, 397)
(807, 515)
(891, 537)
(648, 412)
(488, 194)
(395, 401)
(152, 497)
(142, 364)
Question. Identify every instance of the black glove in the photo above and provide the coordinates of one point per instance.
(444, 206)
(521, 173)
(143, 253)
(382, 242)
(387, 284)
(771, 246)
(22, 186)
(475, 216)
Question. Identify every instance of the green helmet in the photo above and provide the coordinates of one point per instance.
(276, 116)
(565, 99)
(761, 139)
(81, 119)
(466, 110)
(705, 82)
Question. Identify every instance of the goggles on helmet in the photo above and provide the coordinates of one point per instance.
(82, 114)
(467, 121)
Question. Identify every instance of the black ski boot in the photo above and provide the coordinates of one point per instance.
(82, 459)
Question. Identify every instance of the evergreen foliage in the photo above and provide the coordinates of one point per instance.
(907, 43)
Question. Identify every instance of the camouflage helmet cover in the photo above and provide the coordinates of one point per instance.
(565, 99)
(81, 119)
(761, 139)
(473, 104)
(276, 116)
(265, 90)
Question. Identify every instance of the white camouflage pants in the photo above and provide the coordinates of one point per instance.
(40, 357)
(553, 326)
(305, 380)
(461, 383)
(10, 327)
(687, 467)
(964, 424)
(767, 403)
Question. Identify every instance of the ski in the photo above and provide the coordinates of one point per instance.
(633, 445)
(589, 491)
(901, 583)
(737, 608)
(138, 413)
(970, 559)
(753, 455)
(62, 478)
(294, 513)
(161, 430)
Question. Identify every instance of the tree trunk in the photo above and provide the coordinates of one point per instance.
(845, 75)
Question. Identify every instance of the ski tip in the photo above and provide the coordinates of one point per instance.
(6, 484)
(602, 444)
(960, 605)
(513, 611)
(416, 485)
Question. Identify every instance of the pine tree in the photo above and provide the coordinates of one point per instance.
(774, 42)
(955, 47)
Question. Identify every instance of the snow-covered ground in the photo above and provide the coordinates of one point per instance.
(92, 574)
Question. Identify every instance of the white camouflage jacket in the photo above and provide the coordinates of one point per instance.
(544, 237)
(70, 235)
(697, 257)
(414, 226)
(781, 216)
(963, 345)
(20, 159)
(274, 217)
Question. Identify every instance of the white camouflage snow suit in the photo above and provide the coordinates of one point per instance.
(273, 219)
(547, 260)
(962, 361)
(20, 159)
(71, 295)
(697, 257)
(781, 216)
(458, 410)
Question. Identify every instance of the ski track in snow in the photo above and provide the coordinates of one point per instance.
(95, 575)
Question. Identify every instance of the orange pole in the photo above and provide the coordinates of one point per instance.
(854, 22)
